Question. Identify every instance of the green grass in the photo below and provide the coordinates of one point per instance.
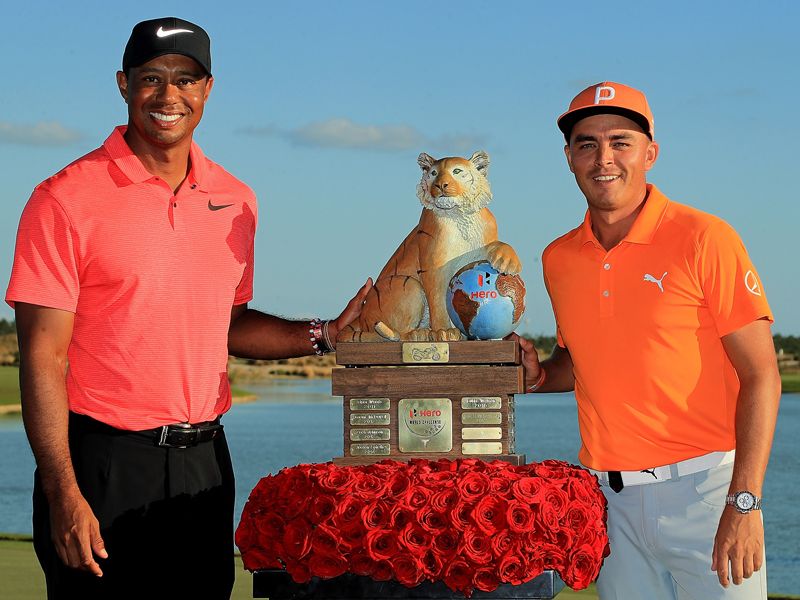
(23, 580)
(790, 383)
(9, 385)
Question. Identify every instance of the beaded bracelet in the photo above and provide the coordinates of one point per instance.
(315, 331)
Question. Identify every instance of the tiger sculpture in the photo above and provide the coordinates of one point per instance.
(408, 300)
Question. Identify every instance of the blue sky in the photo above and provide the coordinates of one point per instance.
(323, 107)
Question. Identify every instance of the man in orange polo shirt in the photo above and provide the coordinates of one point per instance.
(664, 335)
(131, 278)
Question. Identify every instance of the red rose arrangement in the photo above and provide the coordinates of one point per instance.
(468, 523)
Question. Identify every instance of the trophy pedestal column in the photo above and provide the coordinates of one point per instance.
(428, 400)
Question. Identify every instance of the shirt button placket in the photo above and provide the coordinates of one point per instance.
(606, 289)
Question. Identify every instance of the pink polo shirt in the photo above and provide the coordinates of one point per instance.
(151, 277)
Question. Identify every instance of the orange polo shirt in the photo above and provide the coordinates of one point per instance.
(151, 277)
(643, 322)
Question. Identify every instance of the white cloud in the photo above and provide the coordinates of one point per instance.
(44, 133)
(344, 133)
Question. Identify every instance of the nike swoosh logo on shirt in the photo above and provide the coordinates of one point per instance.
(166, 33)
(217, 206)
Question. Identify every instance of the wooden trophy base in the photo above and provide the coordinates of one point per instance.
(428, 400)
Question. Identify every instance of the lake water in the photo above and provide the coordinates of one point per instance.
(298, 421)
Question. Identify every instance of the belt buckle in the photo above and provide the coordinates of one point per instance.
(165, 430)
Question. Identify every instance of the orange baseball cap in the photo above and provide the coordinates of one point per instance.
(604, 98)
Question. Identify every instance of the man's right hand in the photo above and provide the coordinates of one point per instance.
(529, 358)
(76, 533)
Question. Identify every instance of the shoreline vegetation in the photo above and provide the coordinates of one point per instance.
(242, 372)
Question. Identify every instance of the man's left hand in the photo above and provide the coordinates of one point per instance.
(738, 546)
(350, 312)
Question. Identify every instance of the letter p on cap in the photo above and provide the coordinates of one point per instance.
(604, 92)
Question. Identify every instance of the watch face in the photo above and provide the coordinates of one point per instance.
(744, 501)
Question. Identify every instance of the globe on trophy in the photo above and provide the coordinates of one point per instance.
(484, 303)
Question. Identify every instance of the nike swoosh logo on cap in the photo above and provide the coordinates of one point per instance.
(217, 206)
(162, 33)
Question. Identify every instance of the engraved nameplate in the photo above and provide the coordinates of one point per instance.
(481, 418)
(482, 448)
(426, 352)
(481, 433)
(376, 449)
(481, 402)
(369, 404)
(370, 419)
(425, 425)
(369, 435)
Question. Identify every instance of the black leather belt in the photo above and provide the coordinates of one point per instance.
(183, 435)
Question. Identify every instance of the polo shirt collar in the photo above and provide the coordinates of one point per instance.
(645, 225)
(130, 165)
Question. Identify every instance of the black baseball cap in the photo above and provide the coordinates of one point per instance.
(168, 35)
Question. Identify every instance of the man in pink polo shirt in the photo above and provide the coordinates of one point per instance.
(664, 335)
(131, 278)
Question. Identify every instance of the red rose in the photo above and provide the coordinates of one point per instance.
(461, 516)
(582, 568)
(501, 482)
(511, 569)
(361, 564)
(299, 571)
(577, 517)
(348, 512)
(322, 508)
(529, 490)
(432, 564)
(501, 542)
(352, 537)
(368, 487)
(383, 571)
(417, 497)
(490, 514)
(399, 516)
(407, 570)
(296, 492)
(473, 485)
(398, 484)
(258, 558)
(519, 517)
(554, 556)
(476, 546)
(446, 543)
(245, 534)
(557, 499)
(375, 515)
(548, 516)
(327, 565)
(431, 520)
(415, 538)
(458, 576)
(336, 479)
(486, 579)
(297, 538)
(325, 540)
(445, 499)
(381, 544)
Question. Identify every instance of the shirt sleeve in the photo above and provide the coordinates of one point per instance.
(46, 266)
(244, 291)
(731, 286)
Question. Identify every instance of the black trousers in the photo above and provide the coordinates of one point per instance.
(166, 517)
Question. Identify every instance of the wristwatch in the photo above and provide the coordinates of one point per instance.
(744, 501)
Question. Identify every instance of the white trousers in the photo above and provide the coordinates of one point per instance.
(662, 536)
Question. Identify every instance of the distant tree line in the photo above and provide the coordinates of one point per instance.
(790, 344)
(7, 327)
